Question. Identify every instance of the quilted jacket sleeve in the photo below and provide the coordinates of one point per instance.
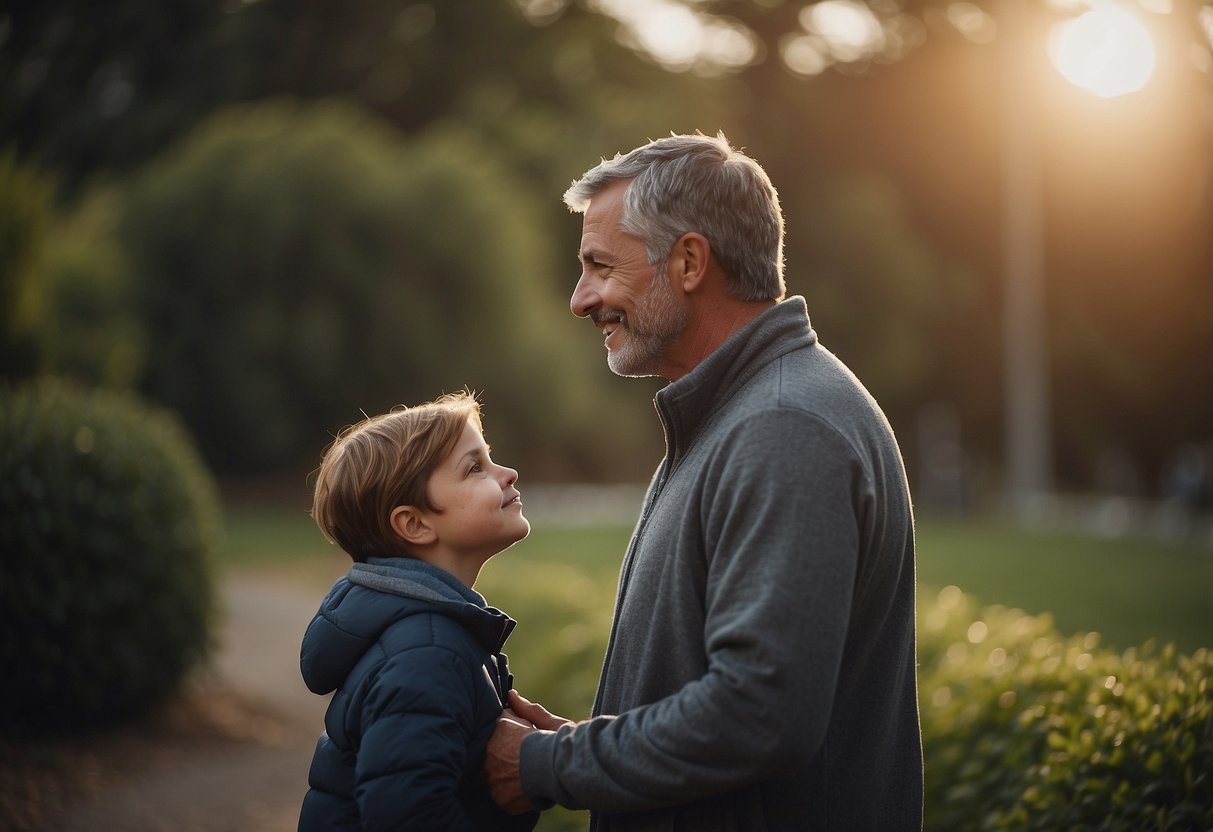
(416, 727)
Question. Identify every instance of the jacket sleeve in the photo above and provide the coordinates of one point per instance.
(779, 520)
(416, 727)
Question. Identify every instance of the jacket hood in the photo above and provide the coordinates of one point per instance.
(374, 596)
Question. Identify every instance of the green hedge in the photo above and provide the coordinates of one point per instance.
(1026, 729)
(1023, 728)
(107, 523)
(27, 200)
(336, 274)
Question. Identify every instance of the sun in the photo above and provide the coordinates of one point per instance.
(1106, 50)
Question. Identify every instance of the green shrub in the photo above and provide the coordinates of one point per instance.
(345, 267)
(1026, 729)
(91, 334)
(107, 521)
(27, 200)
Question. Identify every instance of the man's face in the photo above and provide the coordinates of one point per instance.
(634, 304)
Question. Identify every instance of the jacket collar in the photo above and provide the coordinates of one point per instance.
(438, 591)
(687, 404)
(374, 596)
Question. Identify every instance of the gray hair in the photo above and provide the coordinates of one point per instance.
(698, 183)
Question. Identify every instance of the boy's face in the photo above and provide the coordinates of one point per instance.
(481, 511)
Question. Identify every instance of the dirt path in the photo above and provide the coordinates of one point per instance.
(237, 760)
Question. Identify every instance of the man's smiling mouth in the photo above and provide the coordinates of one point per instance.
(610, 322)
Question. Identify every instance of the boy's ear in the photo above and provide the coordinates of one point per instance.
(411, 525)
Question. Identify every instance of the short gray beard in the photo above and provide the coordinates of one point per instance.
(656, 323)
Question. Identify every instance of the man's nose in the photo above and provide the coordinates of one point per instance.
(585, 296)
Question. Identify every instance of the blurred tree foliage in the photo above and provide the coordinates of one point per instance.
(295, 263)
(887, 167)
(26, 213)
(93, 333)
(86, 87)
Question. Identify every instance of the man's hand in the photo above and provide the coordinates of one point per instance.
(501, 759)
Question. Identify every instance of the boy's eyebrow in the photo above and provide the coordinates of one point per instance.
(474, 454)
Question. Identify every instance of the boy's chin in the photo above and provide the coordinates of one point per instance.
(523, 532)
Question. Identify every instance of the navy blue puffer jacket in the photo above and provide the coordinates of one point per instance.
(414, 659)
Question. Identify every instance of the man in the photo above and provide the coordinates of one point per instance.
(760, 672)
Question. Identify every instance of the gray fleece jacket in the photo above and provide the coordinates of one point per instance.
(761, 668)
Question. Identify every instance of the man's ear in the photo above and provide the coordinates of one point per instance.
(690, 260)
(411, 525)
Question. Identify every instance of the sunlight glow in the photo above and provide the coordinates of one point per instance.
(804, 54)
(1206, 22)
(1157, 6)
(678, 37)
(541, 12)
(972, 21)
(849, 29)
(1106, 50)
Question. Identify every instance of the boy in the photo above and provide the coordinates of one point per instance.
(411, 651)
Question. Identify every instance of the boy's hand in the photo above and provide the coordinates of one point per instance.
(501, 758)
(536, 714)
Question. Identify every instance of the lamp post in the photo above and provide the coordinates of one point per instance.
(1107, 51)
(1028, 443)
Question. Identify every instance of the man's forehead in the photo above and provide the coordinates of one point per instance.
(609, 199)
(602, 216)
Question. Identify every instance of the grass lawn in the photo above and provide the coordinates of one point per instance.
(1127, 589)
(560, 584)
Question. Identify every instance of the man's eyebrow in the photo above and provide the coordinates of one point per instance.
(589, 255)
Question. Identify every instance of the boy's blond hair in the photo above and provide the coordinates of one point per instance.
(383, 462)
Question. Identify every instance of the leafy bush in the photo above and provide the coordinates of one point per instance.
(91, 334)
(564, 616)
(26, 208)
(1025, 729)
(107, 522)
(293, 264)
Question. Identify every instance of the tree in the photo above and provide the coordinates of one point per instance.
(295, 263)
(87, 86)
(26, 213)
(909, 93)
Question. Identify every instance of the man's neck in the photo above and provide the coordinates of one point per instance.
(713, 321)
